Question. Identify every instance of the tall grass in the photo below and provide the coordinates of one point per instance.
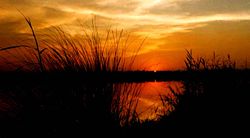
(214, 63)
(37, 47)
(31, 53)
(92, 51)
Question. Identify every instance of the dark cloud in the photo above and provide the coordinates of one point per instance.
(203, 7)
(216, 6)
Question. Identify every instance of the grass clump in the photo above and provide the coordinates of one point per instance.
(92, 51)
(206, 64)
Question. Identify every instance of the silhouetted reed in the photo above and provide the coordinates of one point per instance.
(205, 64)
(93, 51)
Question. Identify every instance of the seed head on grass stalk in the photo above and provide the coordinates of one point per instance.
(37, 47)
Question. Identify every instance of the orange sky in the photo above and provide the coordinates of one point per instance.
(171, 26)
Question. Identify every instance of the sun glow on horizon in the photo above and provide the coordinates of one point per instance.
(171, 26)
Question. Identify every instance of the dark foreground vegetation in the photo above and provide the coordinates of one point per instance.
(42, 105)
(73, 88)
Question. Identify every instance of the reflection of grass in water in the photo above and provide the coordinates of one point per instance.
(171, 99)
(151, 105)
(125, 102)
(93, 51)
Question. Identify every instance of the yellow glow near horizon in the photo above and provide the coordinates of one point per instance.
(170, 25)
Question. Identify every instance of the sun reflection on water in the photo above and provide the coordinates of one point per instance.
(152, 99)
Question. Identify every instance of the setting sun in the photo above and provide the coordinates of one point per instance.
(170, 26)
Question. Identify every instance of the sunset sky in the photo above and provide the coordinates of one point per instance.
(171, 26)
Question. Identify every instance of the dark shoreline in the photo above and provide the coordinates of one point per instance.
(129, 76)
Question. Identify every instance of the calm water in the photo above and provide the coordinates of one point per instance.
(149, 98)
